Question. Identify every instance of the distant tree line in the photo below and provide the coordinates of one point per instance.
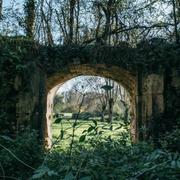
(97, 99)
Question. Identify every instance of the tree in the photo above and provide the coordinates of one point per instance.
(46, 21)
(1, 3)
(58, 103)
(94, 21)
(72, 4)
(29, 9)
(112, 90)
(95, 84)
(106, 91)
(175, 17)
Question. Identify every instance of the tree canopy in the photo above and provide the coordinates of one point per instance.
(91, 21)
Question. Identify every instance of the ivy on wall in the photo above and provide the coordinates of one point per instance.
(150, 57)
(15, 57)
(19, 56)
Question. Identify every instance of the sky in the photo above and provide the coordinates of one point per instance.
(68, 85)
(9, 2)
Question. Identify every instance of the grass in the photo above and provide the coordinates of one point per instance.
(103, 129)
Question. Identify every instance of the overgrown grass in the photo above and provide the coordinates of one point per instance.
(105, 156)
(110, 160)
(103, 129)
(93, 156)
(21, 156)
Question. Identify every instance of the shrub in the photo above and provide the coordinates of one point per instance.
(171, 140)
(83, 115)
(108, 159)
(25, 148)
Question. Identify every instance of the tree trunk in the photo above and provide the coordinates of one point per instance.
(108, 22)
(77, 23)
(1, 2)
(71, 21)
(46, 20)
(99, 22)
(102, 113)
(111, 103)
(175, 22)
(29, 9)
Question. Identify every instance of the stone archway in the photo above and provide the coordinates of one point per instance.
(149, 72)
(125, 78)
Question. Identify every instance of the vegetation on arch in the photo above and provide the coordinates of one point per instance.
(148, 54)
(48, 35)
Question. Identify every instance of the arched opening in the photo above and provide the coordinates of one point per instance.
(121, 76)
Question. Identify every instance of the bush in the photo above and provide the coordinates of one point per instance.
(110, 160)
(171, 141)
(83, 115)
(58, 115)
(25, 148)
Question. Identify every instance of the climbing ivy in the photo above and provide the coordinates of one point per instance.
(15, 54)
(150, 55)
(20, 56)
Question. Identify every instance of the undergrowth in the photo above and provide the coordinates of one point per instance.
(109, 159)
(102, 159)
(105, 158)
(20, 157)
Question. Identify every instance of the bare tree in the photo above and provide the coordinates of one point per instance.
(95, 84)
(47, 21)
(72, 4)
(107, 92)
(1, 3)
(175, 17)
(77, 13)
(91, 21)
(112, 91)
(29, 8)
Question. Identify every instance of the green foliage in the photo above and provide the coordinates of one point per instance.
(101, 157)
(16, 64)
(110, 159)
(19, 157)
(89, 129)
(171, 140)
(104, 158)
(43, 171)
(147, 54)
(58, 120)
(83, 115)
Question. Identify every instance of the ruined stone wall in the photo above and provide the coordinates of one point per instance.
(151, 75)
(156, 95)
(22, 96)
(30, 107)
(158, 102)
(150, 103)
(175, 88)
(172, 98)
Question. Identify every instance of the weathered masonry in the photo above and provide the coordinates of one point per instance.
(149, 72)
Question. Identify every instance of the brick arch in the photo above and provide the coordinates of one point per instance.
(125, 78)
